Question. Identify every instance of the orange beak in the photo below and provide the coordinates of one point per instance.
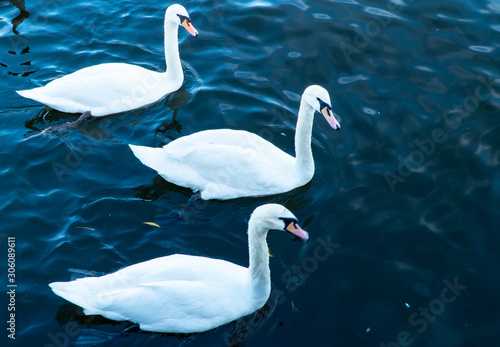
(296, 230)
(189, 27)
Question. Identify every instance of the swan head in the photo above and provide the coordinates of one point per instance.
(319, 99)
(177, 14)
(276, 217)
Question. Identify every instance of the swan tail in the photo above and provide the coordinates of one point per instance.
(77, 292)
(27, 93)
(36, 94)
(169, 167)
(151, 157)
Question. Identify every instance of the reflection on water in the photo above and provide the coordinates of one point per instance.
(45, 116)
(21, 16)
(103, 128)
(179, 99)
(18, 44)
(24, 50)
(157, 189)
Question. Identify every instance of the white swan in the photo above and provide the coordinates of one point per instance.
(105, 89)
(226, 164)
(182, 293)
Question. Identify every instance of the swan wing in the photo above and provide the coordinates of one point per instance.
(233, 163)
(237, 138)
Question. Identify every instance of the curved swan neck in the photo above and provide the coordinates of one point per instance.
(303, 133)
(174, 67)
(260, 275)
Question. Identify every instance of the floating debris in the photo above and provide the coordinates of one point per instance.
(84, 228)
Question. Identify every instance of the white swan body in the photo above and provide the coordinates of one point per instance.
(182, 293)
(117, 87)
(227, 164)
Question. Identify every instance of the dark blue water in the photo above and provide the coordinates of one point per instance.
(402, 210)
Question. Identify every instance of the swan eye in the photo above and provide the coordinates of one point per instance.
(184, 18)
(323, 104)
(186, 23)
(288, 222)
(292, 226)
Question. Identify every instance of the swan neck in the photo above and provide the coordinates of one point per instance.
(303, 134)
(172, 59)
(260, 275)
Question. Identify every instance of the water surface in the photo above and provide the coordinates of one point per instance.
(405, 197)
